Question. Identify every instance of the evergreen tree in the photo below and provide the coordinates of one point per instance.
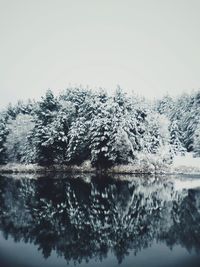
(165, 105)
(119, 131)
(120, 146)
(197, 141)
(58, 137)
(100, 137)
(176, 138)
(78, 145)
(157, 133)
(45, 115)
(190, 120)
(19, 129)
(108, 130)
(84, 103)
(78, 97)
(126, 129)
(3, 135)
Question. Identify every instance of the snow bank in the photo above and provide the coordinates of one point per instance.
(34, 168)
(186, 164)
(144, 165)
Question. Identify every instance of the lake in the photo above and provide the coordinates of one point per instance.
(89, 220)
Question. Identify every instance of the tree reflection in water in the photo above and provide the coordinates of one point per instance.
(83, 220)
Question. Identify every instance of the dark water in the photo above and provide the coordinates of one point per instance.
(99, 221)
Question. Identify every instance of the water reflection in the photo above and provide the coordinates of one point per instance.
(82, 220)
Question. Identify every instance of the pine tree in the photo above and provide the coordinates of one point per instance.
(125, 140)
(164, 106)
(157, 132)
(117, 131)
(109, 130)
(3, 135)
(11, 111)
(197, 141)
(186, 111)
(176, 138)
(100, 136)
(78, 145)
(120, 146)
(19, 129)
(78, 97)
(45, 115)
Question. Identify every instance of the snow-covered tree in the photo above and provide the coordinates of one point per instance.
(165, 105)
(79, 98)
(11, 111)
(121, 149)
(3, 136)
(41, 135)
(58, 134)
(100, 137)
(197, 141)
(176, 138)
(157, 136)
(127, 125)
(116, 131)
(83, 102)
(78, 142)
(186, 112)
(109, 130)
(16, 141)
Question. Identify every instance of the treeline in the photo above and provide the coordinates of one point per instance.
(81, 124)
(184, 115)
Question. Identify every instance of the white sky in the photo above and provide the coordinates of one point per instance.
(149, 46)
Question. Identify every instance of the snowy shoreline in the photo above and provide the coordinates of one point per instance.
(181, 165)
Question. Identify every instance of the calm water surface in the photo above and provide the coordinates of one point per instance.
(99, 221)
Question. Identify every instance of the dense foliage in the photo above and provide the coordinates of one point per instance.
(184, 115)
(81, 124)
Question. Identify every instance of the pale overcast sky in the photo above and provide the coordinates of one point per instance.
(149, 46)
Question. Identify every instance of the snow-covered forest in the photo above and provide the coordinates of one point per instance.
(107, 130)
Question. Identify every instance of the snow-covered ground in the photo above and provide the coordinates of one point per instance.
(188, 161)
(186, 164)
